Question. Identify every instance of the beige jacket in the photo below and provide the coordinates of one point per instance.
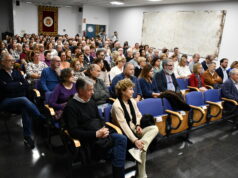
(119, 119)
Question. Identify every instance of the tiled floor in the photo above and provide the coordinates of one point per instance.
(214, 154)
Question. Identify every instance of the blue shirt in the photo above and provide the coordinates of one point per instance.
(117, 78)
(146, 88)
(49, 79)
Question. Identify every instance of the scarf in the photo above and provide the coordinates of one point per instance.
(127, 116)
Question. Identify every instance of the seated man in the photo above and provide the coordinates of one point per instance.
(128, 72)
(222, 70)
(230, 89)
(207, 61)
(84, 123)
(13, 88)
(211, 77)
(165, 79)
(50, 75)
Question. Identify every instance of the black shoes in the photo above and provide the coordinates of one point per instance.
(29, 142)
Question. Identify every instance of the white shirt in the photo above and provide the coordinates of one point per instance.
(182, 71)
(225, 76)
(115, 71)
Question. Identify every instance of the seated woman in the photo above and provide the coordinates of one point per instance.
(78, 68)
(196, 79)
(63, 91)
(211, 77)
(183, 70)
(156, 65)
(101, 93)
(127, 116)
(64, 63)
(68, 55)
(145, 81)
(142, 63)
(34, 69)
(104, 76)
(120, 62)
(233, 66)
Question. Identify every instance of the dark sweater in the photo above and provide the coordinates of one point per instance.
(12, 86)
(82, 119)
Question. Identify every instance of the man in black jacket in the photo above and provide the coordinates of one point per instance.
(13, 88)
(165, 79)
(83, 122)
(222, 70)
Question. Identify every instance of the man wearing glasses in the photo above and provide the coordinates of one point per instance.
(13, 91)
(165, 79)
(50, 75)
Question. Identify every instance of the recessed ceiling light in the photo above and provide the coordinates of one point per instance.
(29, 2)
(155, 0)
(117, 3)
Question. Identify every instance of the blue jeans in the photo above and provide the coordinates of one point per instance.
(118, 151)
(25, 107)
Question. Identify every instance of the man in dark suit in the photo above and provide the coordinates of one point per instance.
(165, 79)
(207, 61)
(221, 71)
(230, 90)
(88, 59)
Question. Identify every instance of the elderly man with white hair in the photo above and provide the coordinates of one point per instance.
(88, 59)
(13, 90)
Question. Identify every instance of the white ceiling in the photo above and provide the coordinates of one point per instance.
(106, 3)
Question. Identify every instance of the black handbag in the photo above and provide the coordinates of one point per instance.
(147, 120)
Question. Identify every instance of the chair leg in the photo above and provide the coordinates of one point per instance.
(186, 139)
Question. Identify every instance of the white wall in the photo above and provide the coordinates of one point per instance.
(128, 23)
(95, 15)
(26, 19)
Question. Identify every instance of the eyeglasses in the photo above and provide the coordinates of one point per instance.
(10, 60)
(170, 65)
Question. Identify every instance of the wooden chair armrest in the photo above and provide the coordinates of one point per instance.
(209, 87)
(37, 93)
(174, 113)
(76, 142)
(198, 108)
(193, 88)
(117, 129)
(230, 100)
(213, 103)
(51, 110)
(112, 99)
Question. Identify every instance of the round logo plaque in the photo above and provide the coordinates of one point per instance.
(48, 21)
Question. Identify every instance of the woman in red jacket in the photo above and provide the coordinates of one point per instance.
(196, 79)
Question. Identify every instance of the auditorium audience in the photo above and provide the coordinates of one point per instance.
(234, 65)
(165, 79)
(134, 61)
(209, 59)
(50, 75)
(120, 62)
(13, 91)
(101, 93)
(142, 63)
(128, 72)
(222, 70)
(64, 63)
(183, 70)
(127, 116)
(195, 60)
(156, 65)
(145, 81)
(104, 76)
(47, 57)
(63, 91)
(78, 68)
(83, 122)
(34, 68)
(196, 79)
(211, 77)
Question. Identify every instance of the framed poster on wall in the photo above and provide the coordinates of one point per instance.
(48, 20)
(93, 30)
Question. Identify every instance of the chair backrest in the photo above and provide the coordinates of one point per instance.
(195, 98)
(213, 95)
(167, 104)
(183, 83)
(151, 106)
(107, 113)
(47, 96)
(37, 84)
